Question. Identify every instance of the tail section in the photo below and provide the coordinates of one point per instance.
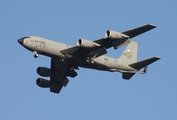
(129, 58)
(139, 65)
(143, 63)
(127, 76)
(130, 54)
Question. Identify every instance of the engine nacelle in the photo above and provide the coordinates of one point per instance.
(45, 72)
(86, 43)
(43, 83)
(115, 35)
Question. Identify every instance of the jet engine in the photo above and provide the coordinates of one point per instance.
(43, 83)
(115, 35)
(45, 72)
(86, 43)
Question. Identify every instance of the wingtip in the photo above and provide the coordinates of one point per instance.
(157, 57)
(153, 26)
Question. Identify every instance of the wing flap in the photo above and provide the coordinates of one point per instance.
(97, 53)
(108, 42)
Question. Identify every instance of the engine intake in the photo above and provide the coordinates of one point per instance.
(43, 83)
(86, 43)
(115, 35)
(45, 72)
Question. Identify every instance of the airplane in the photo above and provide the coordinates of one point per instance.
(66, 59)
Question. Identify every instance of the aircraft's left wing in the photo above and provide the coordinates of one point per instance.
(96, 48)
(59, 78)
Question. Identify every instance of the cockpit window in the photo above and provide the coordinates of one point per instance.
(26, 37)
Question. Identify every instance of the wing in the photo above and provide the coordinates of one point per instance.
(137, 31)
(96, 48)
(125, 36)
(59, 78)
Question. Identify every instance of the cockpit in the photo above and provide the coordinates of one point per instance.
(21, 40)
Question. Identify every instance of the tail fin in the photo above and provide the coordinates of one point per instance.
(139, 65)
(129, 57)
(130, 54)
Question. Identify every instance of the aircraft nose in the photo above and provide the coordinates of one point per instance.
(21, 41)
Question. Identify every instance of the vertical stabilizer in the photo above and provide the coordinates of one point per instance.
(130, 54)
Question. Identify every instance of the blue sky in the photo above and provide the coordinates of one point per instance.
(92, 95)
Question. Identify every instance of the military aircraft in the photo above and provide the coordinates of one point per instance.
(66, 59)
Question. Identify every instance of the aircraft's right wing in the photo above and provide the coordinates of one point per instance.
(59, 79)
(137, 31)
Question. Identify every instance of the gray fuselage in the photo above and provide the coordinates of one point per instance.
(52, 49)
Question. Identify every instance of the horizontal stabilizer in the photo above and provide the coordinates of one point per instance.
(137, 31)
(127, 76)
(143, 63)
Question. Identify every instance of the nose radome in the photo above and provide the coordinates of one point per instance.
(21, 41)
